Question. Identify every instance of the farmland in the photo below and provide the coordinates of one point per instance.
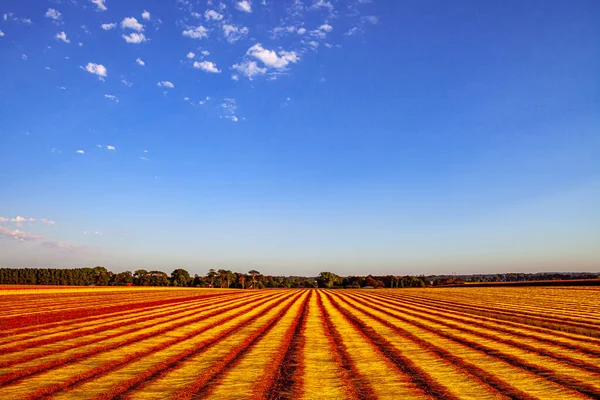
(149, 343)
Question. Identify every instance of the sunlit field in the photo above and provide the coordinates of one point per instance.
(155, 343)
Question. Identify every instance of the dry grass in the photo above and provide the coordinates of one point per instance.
(149, 343)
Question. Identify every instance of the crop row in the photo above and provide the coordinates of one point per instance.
(387, 344)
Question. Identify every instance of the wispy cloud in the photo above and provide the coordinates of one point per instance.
(80, 152)
(100, 4)
(112, 97)
(139, 61)
(198, 32)
(166, 84)
(62, 36)
(212, 15)
(234, 33)
(134, 38)
(54, 15)
(244, 6)
(19, 235)
(97, 69)
(146, 15)
(207, 66)
(132, 23)
(108, 27)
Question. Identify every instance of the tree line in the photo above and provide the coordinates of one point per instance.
(223, 278)
(220, 278)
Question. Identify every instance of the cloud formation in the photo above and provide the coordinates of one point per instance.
(207, 66)
(198, 32)
(134, 38)
(53, 14)
(62, 36)
(132, 23)
(100, 5)
(108, 27)
(244, 6)
(97, 69)
(166, 84)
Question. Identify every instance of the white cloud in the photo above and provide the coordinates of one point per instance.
(19, 235)
(166, 84)
(62, 36)
(205, 52)
(207, 66)
(212, 14)
(53, 14)
(146, 15)
(132, 23)
(352, 31)
(190, 55)
(2, 219)
(80, 152)
(112, 97)
(1, 33)
(140, 61)
(145, 151)
(321, 4)
(61, 87)
(134, 38)
(372, 19)
(198, 32)
(109, 147)
(301, 31)
(186, 99)
(326, 27)
(100, 4)
(126, 83)
(234, 33)
(270, 57)
(108, 27)
(18, 219)
(47, 222)
(144, 158)
(244, 5)
(249, 69)
(97, 69)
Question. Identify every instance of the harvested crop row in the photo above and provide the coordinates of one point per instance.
(526, 342)
(122, 333)
(119, 380)
(122, 344)
(547, 381)
(571, 341)
(302, 344)
(550, 323)
(98, 319)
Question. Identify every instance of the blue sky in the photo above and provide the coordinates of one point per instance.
(294, 136)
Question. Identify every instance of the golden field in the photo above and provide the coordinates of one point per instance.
(155, 343)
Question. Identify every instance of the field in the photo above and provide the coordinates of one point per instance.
(451, 343)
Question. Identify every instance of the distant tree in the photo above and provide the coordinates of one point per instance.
(328, 280)
(253, 273)
(225, 277)
(122, 279)
(242, 280)
(159, 278)
(180, 277)
(101, 277)
(211, 276)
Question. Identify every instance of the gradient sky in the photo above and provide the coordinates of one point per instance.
(293, 137)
